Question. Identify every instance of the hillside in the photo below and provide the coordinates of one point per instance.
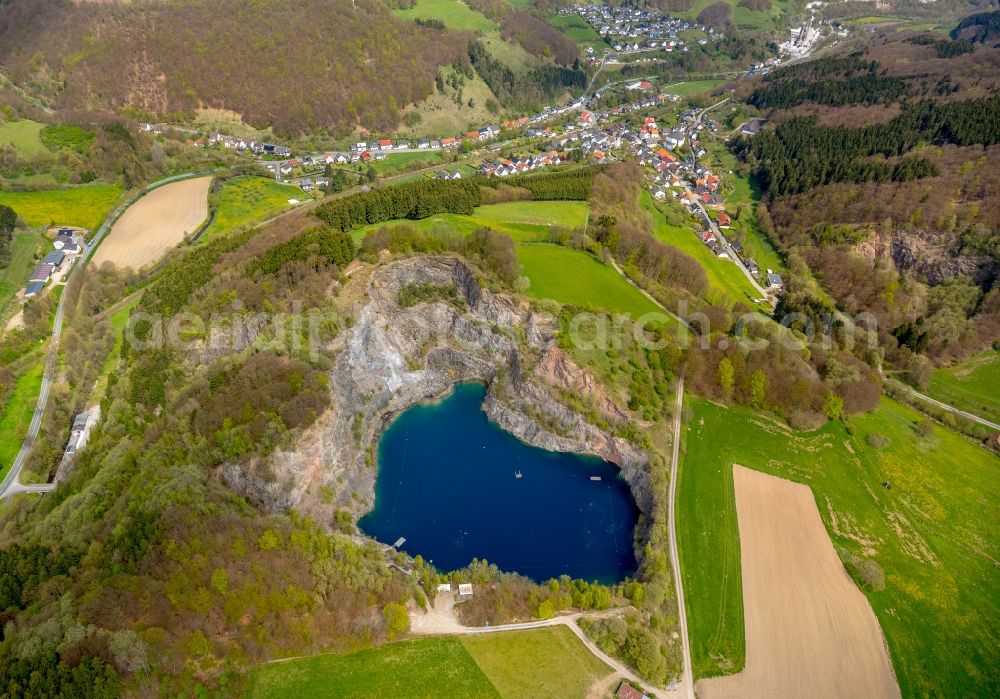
(291, 64)
(876, 174)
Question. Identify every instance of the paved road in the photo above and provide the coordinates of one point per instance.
(956, 411)
(10, 484)
(687, 680)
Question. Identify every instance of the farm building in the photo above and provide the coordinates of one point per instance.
(627, 691)
(54, 258)
(42, 273)
(33, 289)
(465, 590)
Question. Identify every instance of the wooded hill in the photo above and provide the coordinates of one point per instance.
(294, 64)
(877, 180)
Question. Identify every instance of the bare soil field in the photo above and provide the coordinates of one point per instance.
(809, 630)
(156, 223)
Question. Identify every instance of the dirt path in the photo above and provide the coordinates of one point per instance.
(440, 619)
(809, 630)
(156, 223)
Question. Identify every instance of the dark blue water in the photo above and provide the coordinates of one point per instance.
(446, 482)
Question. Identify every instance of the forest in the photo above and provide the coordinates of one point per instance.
(414, 200)
(531, 90)
(799, 155)
(296, 65)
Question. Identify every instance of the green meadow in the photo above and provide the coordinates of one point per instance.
(575, 277)
(905, 512)
(18, 411)
(24, 136)
(524, 221)
(86, 206)
(727, 284)
(973, 385)
(454, 14)
(246, 200)
(24, 248)
(532, 664)
(691, 88)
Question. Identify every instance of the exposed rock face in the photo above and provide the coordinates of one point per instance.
(933, 257)
(394, 358)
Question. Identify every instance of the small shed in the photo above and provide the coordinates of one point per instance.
(33, 289)
(465, 590)
(444, 587)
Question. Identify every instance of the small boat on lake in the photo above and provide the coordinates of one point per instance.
(517, 474)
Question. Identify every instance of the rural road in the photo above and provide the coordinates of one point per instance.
(956, 411)
(10, 484)
(687, 679)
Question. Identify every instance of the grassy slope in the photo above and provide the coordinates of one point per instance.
(14, 275)
(244, 200)
(84, 206)
(940, 606)
(572, 276)
(973, 385)
(536, 664)
(727, 283)
(742, 194)
(691, 88)
(454, 14)
(524, 221)
(17, 413)
(742, 16)
(24, 136)
(422, 667)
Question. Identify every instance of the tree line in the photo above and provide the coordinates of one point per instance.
(413, 200)
(800, 154)
(8, 219)
(572, 185)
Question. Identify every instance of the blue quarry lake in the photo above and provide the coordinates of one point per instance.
(447, 483)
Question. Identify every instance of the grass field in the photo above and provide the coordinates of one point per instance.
(973, 385)
(576, 28)
(85, 206)
(419, 668)
(727, 285)
(513, 665)
(246, 200)
(536, 664)
(524, 221)
(692, 87)
(923, 545)
(571, 276)
(398, 161)
(24, 135)
(454, 14)
(18, 412)
(14, 276)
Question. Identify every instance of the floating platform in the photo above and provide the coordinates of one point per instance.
(595, 478)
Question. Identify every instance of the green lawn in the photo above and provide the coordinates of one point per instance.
(398, 161)
(18, 411)
(245, 200)
(939, 604)
(973, 385)
(425, 667)
(85, 206)
(536, 664)
(524, 221)
(727, 284)
(572, 276)
(539, 663)
(14, 276)
(454, 14)
(576, 28)
(24, 136)
(692, 87)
